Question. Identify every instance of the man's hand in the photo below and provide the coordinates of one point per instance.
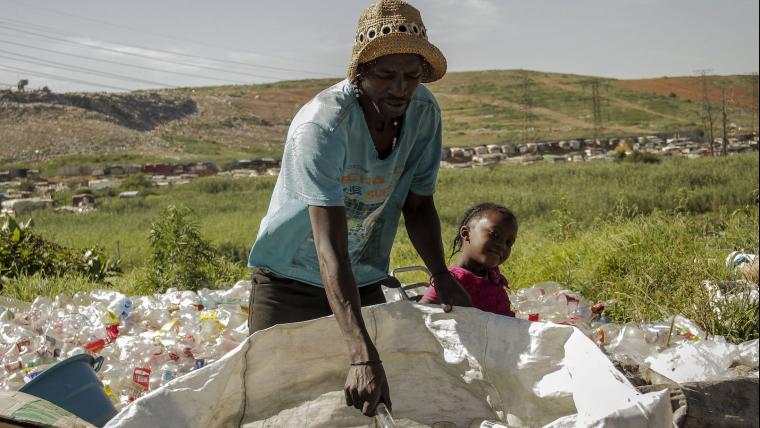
(366, 386)
(450, 292)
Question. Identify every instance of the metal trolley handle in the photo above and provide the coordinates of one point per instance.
(403, 288)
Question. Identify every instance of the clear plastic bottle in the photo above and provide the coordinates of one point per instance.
(383, 417)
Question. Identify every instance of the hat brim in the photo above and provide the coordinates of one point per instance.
(399, 43)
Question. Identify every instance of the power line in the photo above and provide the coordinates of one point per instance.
(266, 67)
(144, 31)
(32, 60)
(60, 78)
(138, 55)
(179, 73)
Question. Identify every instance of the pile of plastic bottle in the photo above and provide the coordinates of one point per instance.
(148, 341)
(676, 347)
(145, 341)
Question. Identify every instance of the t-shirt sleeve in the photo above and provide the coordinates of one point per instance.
(423, 182)
(311, 166)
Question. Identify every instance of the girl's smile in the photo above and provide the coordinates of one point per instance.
(487, 241)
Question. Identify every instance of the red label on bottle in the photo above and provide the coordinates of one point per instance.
(23, 346)
(141, 376)
(532, 317)
(12, 367)
(113, 332)
(95, 346)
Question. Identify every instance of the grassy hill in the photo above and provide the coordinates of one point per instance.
(230, 122)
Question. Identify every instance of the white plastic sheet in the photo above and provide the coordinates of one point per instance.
(461, 367)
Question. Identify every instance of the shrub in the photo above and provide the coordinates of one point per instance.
(22, 252)
(135, 182)
(637, 157)
(27, 186)
(180, 257)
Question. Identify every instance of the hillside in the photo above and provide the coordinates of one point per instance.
(229, 122)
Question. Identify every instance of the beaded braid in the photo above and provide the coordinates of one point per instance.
(474, 213)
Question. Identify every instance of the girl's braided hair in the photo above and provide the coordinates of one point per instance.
(477, 212)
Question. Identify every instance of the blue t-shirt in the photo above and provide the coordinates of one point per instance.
(330, 160)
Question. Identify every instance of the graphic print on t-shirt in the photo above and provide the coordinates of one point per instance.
(365, 198)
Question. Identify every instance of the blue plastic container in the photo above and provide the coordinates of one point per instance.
(73, 385)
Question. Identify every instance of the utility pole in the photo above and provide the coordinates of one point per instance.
(526, 104)
(724, 101)
(753, 76)
(708, 120)
(596, 104)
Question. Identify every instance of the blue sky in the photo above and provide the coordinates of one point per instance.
(163, 43)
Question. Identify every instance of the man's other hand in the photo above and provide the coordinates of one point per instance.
(366, 386)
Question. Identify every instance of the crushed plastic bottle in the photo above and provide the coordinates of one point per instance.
(146, 341)
(383, 417)
(677, 346)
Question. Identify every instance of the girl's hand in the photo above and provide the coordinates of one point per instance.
(450, 292)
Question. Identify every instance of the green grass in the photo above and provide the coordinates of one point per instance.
(646, 235)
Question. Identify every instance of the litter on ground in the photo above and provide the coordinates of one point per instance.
(151, 341)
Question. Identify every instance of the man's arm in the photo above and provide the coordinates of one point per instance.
(366, 383)
(424, 230)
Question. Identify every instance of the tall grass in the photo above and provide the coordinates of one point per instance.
(646, 235)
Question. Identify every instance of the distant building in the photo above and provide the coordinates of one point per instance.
(158, 168)
(84, 199)
(509, 149)
(132, 169)
(18, 173)
(105, 183)
(20, 206)
(459, 155)
(114, 170)
(488, 158)
(74, 171)
(130, 194)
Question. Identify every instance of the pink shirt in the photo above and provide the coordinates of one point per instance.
(487, 293)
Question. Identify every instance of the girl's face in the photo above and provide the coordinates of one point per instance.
(488, 240)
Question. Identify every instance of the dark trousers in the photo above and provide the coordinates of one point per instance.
(277, 300)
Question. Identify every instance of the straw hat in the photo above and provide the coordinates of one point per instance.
(394, 27)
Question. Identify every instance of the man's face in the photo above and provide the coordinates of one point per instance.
(390, 81)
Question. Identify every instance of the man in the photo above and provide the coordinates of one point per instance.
(356, 157)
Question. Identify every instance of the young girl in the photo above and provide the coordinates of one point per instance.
(484, 240)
